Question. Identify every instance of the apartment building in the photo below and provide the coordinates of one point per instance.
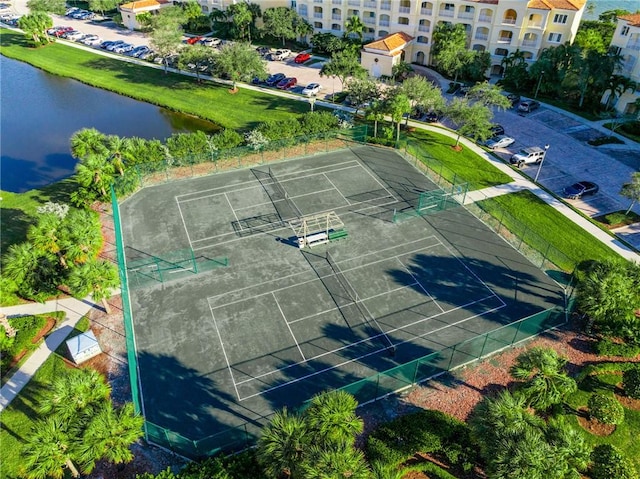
(497, 26)
(626, 41)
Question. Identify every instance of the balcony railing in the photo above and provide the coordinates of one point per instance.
(404, 9)
(634, 45)
(353, 3)
(383, 23)
(509, 21)
(481, 36)
(426, 11)
(484, 18)
(369, 21)
(446, 13)
(465, 15)
(337, 2)
(385, 6)
(317, 1)
(504, 40)
(424, 28)
(534, 25)
(529, 43)
(317, 14)
(336, 17)
(369, 4)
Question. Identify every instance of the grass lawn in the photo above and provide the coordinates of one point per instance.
(543, 223)
(463, 164)
(241, 111)
(625, 437)
(20, 416)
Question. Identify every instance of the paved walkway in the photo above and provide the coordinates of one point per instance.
(74, 309)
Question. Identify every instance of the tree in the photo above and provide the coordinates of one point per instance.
(282, 445)
(472, 119)
(397, 105)
(476, 66)
(516, 73)
(544, 381)
(96, 174)
(102, 5)
(608, 462)
(332, 420)
(35, 27)
(617, 85)
(97, 277)
(354, 25)
(336, 464)
(422, 94)
(166, 32)
(631, 190)
(631, 382)
(553, 65)
(327, 43)
(196, 58)
(489, 95)
(400, 71)
(49, 450)
(34, 272)
(239, 62)
(241, 19)
(611, 16)
(302, 27)
(279, 22)
(605, 409)
(361, 91)
(375, 111)
(48, 6)
(343, 64)
(450, 48)
(88, 141)
(192, 13)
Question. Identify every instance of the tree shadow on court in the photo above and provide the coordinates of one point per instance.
(184, 400)
(454, 284)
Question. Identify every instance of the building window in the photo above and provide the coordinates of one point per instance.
(403, 21)
(555, 37)
(317, 25)
(448, 6)
(422, 39)
(558, 18)
(502, 52)
(336, 27)
(625, 31)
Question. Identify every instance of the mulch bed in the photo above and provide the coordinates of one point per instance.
(46, 329)
(594, 426)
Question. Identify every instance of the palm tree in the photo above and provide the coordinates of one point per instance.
(336, 463)
(631, 190)
(617, 85)
(332, 419)
(33, 271)
(119, 152)
(88, 141)
(354, 25)
(95, 172)
(49, 450)
(96, 277)
(545, 382)
(283, 443)
(109, 436)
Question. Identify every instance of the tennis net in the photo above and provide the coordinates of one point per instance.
(286, 208)
(353, 295)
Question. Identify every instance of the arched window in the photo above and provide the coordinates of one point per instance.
(530, 40)
(426, 8)
(422, 39)
(478, 48)
(405, 6)
(535, 20)
(486, 15)
(424, 26)
(510, 17)
(403, 21)
(317, 12)
(382, 33)
(336, 14)
(482, 33)
(336, 27)
(502, 52)
(420, 58)
(384, 21)
(466, 11)
(317, 25)
(505, 36)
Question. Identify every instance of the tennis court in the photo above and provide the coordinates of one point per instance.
(275, 323)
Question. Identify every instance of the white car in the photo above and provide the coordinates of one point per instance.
(124, 48)
(312, 89)
(74, 35)
(210, 42)
(91, 40)
(280, 55)
(500, 141)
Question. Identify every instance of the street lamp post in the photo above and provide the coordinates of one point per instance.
(546, 147)
(539, 81)
(312, 102)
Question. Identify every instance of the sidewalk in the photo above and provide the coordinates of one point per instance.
(74, 309)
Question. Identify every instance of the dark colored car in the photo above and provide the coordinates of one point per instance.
(578, 190)
(514, 98)
(276, 78)
(263, 50)
(432, 117)
(287, 83)
(528, 106)
(301, 57)
(497, 130)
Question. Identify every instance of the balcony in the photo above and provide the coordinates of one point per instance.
(506, 40)
(337, 2)
(424, 28)
(508, 21)
(385, 6)
(446, 13)
(529, 43)
(404, 9)
(336, 17)
(534, 25)
(353, 3)
(634, 45)
(317, 1)
(484, 18)
(369, 21)
(426, 11)
(481, 36)
(383, 23)
(369, 4)
(465, 15)
(317, 15)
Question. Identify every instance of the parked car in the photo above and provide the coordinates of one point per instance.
(61, 31)
(311, 89)
(274, 79)
(150, 55)
(115, 45)
(497, 130)
(432, 116)
(264, 51)
(528, 106)
(139, 50)
(50, 31)
(302, 57)
(73, 35)
(106, 44)
(514, 98)
(287, 83)
(210, 42)
(526, 156)
(280, 55)
(71, 11)
(194, 40)
(91, 40)
(124, 48)
(500, 141)
(580, 189)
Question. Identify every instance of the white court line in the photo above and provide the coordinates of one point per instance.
(232, 210)
(359, 357)
(253, 181)
(184, 224)
(289, 327)
(420, 284)
(376, 180)
(224, 352)
(334, 187)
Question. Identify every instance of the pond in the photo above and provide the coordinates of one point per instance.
(41, 111)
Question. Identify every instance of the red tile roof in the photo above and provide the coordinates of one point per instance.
(557, 4)
(142, 4)
(633, 19)
(391, 42)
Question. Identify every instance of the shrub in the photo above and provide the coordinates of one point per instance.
(615, 218)
(226, 139)
(211, 468)
(606, 409)
(318, 122)
(631, 382)
(604, 140)
(608, 347)
(609, 462)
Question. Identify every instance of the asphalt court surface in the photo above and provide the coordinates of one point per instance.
(226, 347)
